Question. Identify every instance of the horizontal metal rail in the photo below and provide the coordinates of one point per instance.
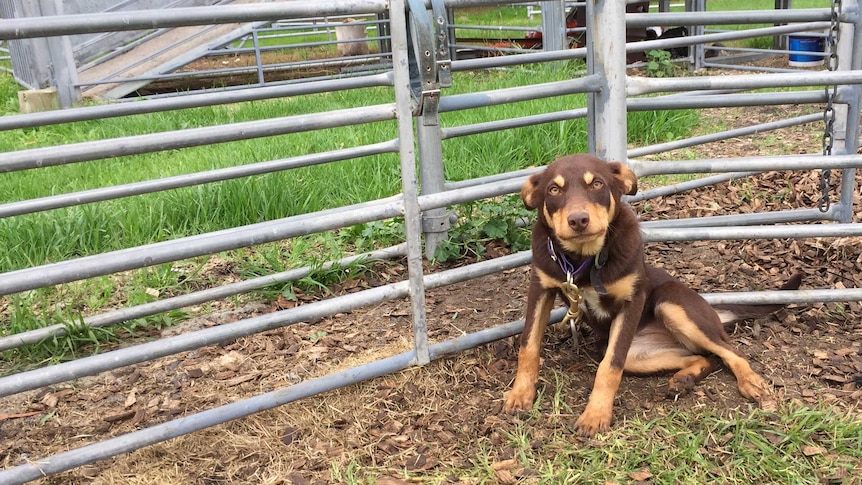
(751, 219)
(171, 140)
(163, 347)
(666, 234)
(736, 17)
(181, 17)
(342, 62)
(636, 86)
(725, 100)
(246, 407)
(669, 43)
(521, 93)
(681, 187)
(200, 245)
(760, 164)
(195, 298)
(189, 180)
(725, 135)
(188, 424)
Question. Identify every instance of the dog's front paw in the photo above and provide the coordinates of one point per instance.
(753, 387)
(519, 399)
(593, 420)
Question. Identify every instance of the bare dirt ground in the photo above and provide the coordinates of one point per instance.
(447, 413)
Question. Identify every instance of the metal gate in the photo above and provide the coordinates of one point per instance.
(420, 72)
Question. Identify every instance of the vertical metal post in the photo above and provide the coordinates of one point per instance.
(258, 59)
(450, 29)
(697, 51)
(409, 185)
(608, 53)
(779, 42)
(435, 222)
(384, 45)
(64, 73)
(591, 69)
(554, 25)
(847, 118)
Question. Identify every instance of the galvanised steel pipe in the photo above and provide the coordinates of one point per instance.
(777, 16)
(685, 186)
(181, 17)
(172, 140)
(470, 193)
(199, 245)
(784, 296)
(750, 232)
(687, 40)
(637, 86)
(518, 59)
(211, 417)
(522, 93)
(409, 175)
(189, 180)
(114, 110)
(725, 135)
(755, 218)
(724, 100)
(129, 442)
(34, 379)
(246, 407)
(607, 125)
(488, 126)
(759, 164)
(195, 298)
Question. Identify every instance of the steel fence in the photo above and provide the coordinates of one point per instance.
(420, 71)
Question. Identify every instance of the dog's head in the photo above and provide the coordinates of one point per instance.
(578, 197)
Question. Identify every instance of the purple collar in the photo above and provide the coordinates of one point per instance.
(566, 265)
(595, 265)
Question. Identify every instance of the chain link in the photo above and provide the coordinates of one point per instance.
(829, 111)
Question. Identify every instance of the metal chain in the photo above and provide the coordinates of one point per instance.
(829, 111)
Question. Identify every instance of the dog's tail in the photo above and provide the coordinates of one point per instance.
(731, 313)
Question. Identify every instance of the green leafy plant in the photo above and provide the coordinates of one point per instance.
(482, 223)
(659, 63)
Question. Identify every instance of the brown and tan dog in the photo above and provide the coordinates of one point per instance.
(587, 248)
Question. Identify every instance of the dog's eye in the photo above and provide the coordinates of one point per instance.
(554, 190)
(598, 184)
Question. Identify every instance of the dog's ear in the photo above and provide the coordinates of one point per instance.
(625, 176)
(530, 192)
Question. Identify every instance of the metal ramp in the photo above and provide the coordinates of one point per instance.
(162, 53)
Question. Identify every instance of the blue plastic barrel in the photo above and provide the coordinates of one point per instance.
(800, 44)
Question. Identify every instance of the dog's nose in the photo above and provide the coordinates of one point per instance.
(579, 220)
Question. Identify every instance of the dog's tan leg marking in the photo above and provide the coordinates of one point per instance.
(597, 415)
(624, 288)
(751, 385)
(547, 281)
(692, 367)
(524, 390)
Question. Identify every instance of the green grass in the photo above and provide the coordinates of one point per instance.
(36, 239)
(798, 444)
(795, 446)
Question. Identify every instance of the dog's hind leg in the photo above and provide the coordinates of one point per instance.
(699, 330)
(654, 349)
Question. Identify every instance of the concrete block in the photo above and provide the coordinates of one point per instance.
(35, 100)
